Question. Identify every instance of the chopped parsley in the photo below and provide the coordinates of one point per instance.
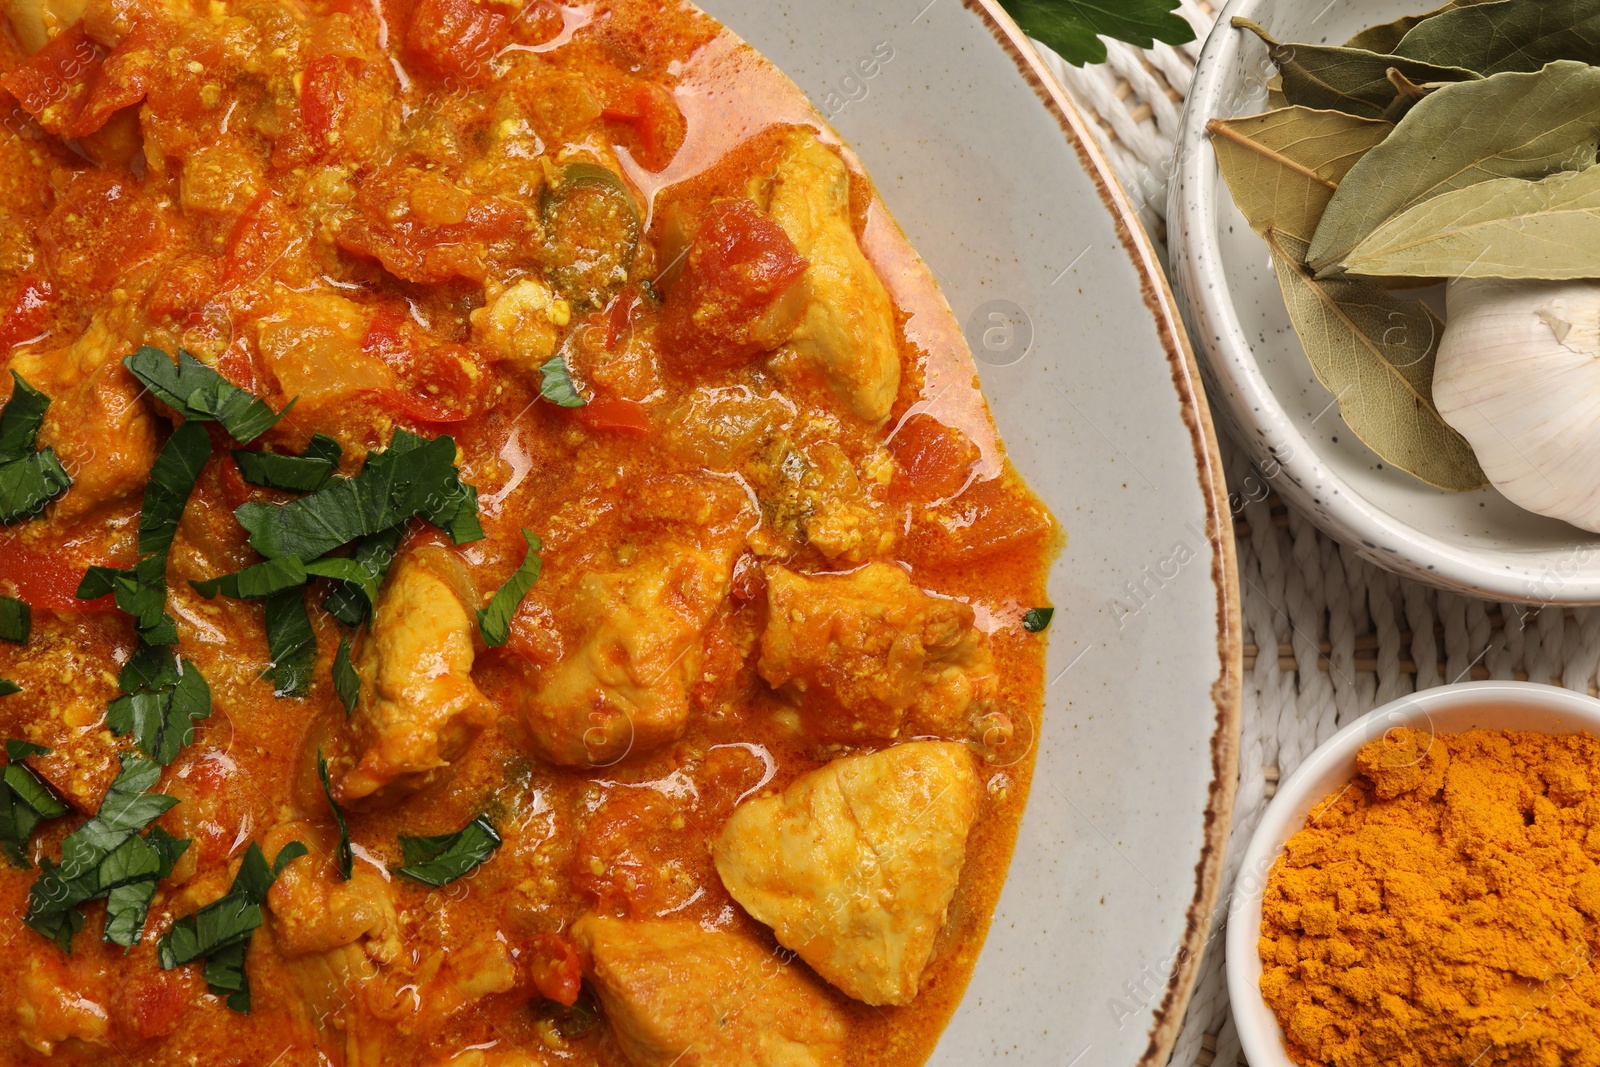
(16, 620)
(414, 476)
(25, 802)
(351, 602)
(440, 860)
(106, 858)
(494, 621)
(1036, 619)
(305, 473)
(28, 479)
(200, 394)
(291, 644)
(161, 716)
(555, 383)
(7, 687)
(346, 682)
(346, 853)
(219, 933)
(141, 590)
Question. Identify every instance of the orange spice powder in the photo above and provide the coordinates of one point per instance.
(1442, 911)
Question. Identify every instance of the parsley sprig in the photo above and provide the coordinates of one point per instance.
(1074, 27)
(494, 621)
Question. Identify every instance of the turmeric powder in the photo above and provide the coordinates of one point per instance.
(1442, 910)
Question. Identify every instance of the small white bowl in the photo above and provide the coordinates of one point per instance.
(1262, 388)
(1448, 709)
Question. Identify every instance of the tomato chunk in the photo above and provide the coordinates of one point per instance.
(554, 969)
(739, 267)
(648, 123)
(44, 580)
(256, 241)
(72, 86)
(424, 228)
(325, 100)
(455, 38)
(25, 310)
(936, 459)
(614, 414)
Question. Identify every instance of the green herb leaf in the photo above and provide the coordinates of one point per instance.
(20, 419)
(103, 854)
(28, 480)
(1507, 126)
(172, 479)
(25, 801)
(1515, 35)
(494, 621)
(555, 383)
(346, 854)
(346, 682)
(200, 394)
(1345, 79)
(29, 483)
(1505, 228)
(411, 477)
(162, 721)
(220, 932)
(7, 687)
(1376, 354)
(1036, 619)
(291, 643)
(1074, 27)
(140, 591)
(149, 859)
(351, 602)
(16, 620)
(437, 861)
(256, 582)
(150, 667)
(305, 473)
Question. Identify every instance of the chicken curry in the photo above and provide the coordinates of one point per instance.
(503, 558)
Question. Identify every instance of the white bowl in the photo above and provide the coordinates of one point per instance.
(1447, 709)
(1263, 390)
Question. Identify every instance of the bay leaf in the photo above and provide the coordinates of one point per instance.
(1376, 354)
(1505, 228)
(1408, 94)
(1386, 37)
(1327, 77)
(1507, 126)
(1284, 166)
(1512, 35)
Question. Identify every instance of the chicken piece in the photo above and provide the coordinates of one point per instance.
(679, 994)
(52, 1012)
(624, 690)
(315, 911)
(419, 707)
(855, 864)
(859, 653)
(813, 495)
(104, 436)
(521, 324)
(848, 329)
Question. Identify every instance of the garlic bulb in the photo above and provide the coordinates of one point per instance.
(1518, 375)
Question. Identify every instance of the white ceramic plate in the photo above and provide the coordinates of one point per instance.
(1258, 378)
(1097, 938)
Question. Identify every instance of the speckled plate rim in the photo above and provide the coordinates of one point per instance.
(1264, 427)
(1226, 689)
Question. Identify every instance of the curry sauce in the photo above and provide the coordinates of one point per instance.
(598, 555)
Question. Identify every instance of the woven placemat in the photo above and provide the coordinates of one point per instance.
(1328, 636)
